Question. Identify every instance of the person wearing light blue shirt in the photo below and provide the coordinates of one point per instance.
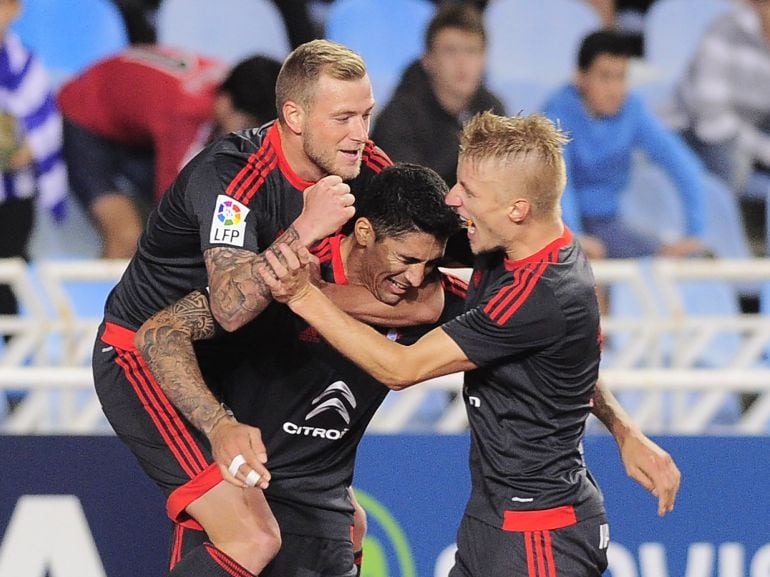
(607, 125)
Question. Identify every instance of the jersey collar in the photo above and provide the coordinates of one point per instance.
(338, 270)
(274, 139)
(547, 253)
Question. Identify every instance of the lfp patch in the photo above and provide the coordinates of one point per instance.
(228, 225)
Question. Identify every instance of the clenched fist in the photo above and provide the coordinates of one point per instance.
(328, 205)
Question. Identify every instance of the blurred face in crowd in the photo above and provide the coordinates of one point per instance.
(455, 62)
(604, 84)
(762, 7)
(335, 125)
(9, 11)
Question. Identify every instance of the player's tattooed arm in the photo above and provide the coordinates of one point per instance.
(237, 292)
(165, 341)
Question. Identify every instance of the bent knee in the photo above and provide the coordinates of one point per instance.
(258, 547)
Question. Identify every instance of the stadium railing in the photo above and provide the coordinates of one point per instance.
(678, 351)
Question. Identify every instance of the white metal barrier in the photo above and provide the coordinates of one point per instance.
(665, 360)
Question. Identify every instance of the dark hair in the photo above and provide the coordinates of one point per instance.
(251, 87)
(465, 17)
(602, 42)
(407, 198)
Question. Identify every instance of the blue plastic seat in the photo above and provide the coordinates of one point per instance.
(389, 35)
(69, 36)
(533, 47)
(226, 29)
(672, 32)
(652, 205)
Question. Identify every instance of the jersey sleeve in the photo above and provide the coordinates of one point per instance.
(224, 219)
(508, 322)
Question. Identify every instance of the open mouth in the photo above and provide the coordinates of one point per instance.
(468, 225)
(397, 287)
(351, 155)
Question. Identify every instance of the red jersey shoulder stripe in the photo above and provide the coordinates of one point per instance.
(374, 157)
(253, 174)
(257, 178)
(454, 285)
(322, 250)
(510, 298)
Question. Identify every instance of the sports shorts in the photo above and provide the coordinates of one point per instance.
(173, 453)
(97, 166)
(578, 550)
(299, 555)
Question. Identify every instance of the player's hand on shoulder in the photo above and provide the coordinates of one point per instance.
(240, 453)
(328, 204)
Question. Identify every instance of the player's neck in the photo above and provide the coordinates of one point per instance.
(532, 239)
(351, 254)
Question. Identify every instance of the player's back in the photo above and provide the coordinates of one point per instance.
(169, 262)
(135, 95)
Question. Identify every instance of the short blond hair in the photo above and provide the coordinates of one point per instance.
(306, 63)
(533, 142)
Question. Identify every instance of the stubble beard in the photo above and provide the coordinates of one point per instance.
(326, 161)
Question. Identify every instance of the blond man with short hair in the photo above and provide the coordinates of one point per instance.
(289, 181)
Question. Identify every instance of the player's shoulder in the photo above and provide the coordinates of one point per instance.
(246, 141)
(374, 159)
(243, 161)
(453, 284)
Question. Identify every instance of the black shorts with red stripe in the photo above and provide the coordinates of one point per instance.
(576, 550)
(169, 449)
(299, 555)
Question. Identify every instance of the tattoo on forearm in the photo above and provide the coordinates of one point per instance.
(166, 343)
(603, 410)
(238, 293)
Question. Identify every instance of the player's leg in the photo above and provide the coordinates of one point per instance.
(118, 222)
(239, 523)
(240, 526)
(94, 170)
(306, 556)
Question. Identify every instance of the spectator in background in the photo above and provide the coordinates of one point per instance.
(30, 146)
(133, 120)
(605, 8)
(722, 105)
(606, 124)
(300, 25)
(436, 95)
(139, 17)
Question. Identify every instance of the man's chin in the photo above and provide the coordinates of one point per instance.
(348, 172)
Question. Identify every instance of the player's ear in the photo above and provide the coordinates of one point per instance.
(364, 231)
(293, 116)
(519, 209)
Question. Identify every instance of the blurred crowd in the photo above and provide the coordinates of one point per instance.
(685, 176)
